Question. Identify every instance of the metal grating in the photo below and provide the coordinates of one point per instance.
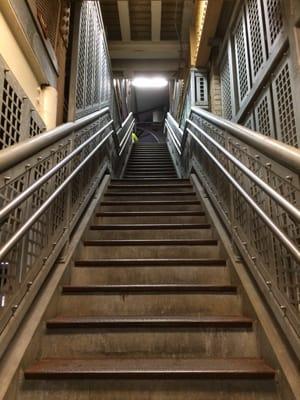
(264, 115)
(226, 90)
(255, 36)
(11, 112)
(94, 82)
(241, 59)
(48, 15)
(284, 106)
(274, 20)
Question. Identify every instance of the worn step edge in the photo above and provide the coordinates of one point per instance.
(241, 368)
(155, 288)
(199, 262)
(151, 242)
(147, 226)
(149, 213)
(228, 322)
(118, 194)
(149, 202)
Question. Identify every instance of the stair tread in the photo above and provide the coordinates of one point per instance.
(150, 202)
(152, 262)
(150, 193)
(162, 287)
(231, 368)
(148, 226)
(151, 242)
(150, 213)
(150, 321)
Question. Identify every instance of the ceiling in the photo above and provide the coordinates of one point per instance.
(148, 36)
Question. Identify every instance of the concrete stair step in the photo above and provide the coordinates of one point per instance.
(239, 368)
(150, 216)
(148, 196)
(150, 336)
(150, 271)
(151, 205)
(159, 299)
(174, 181)
(151, 248)
(151, 188)
(149, 231)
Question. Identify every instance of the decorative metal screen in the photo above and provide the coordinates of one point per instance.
(226, 89)
(94, 81)
(18, 118)
(48, 16)
(274, 21)
(264, 115)
(255, 36)
(284, 105)
(242, 66)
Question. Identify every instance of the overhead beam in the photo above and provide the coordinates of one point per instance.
(187, 16)
(131, 68)
(163, 50)
(210, 24)
(155, 20)
(123, 9)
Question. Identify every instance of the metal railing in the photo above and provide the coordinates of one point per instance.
(48, 182)
(253, 181)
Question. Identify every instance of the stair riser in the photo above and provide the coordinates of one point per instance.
(149, 275)
(146, 251)
(149, 304)
(149, 197)
(150, 207)
(146, 342)
(160, 182)
(150, 189)
(110, 389)
(151, 220)
(151, 234)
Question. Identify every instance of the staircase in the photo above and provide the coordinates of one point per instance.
(150, 311)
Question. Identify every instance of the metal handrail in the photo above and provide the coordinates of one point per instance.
(278, 151)
(286, 205)
(28, 224)
(31, 189)
(277, 232)
(4, 212)
(20, 151)
(274, 195)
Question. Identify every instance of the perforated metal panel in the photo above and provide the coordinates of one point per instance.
(264, 115)
(94, 79)
(226, 89)
(242, 64)
(274, 21)
(18, 118)
(284, 105)
(255, 36)
(48, 14)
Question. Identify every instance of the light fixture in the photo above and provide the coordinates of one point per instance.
(149, 83)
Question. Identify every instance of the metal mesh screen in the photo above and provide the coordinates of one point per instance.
(48, 14)
(94, 79)
(274, 20)
(226, 89)
(255, 35)
(284, 105)
(264, 115)
(241, 59)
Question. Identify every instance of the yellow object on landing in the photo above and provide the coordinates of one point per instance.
(134, 137)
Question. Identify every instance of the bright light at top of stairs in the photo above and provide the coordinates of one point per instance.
(144, 82)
